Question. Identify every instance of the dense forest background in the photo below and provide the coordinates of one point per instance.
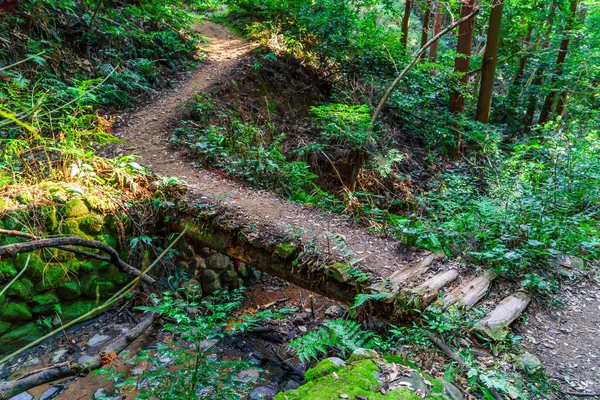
(465, 127)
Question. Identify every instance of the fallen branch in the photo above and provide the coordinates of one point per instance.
(448, 351)
(63, 243)
(63, 370)
(416, 58)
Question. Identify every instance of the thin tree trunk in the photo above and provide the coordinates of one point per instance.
(518, 78)
(426, 22)
(562, 55)
(405, 20)
(416, 57)
(488, 69)
(437, 25)
(539, 73)
(463, 48)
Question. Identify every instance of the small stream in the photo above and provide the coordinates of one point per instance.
(274, 366)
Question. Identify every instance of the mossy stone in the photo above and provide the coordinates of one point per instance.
(108, 239)
(68, 290)
(21, 336)
(324, 368)
(75, 209)
(21, 289)
(16, 312)
(285, 250)
(54, 275)
(529, 364)
(91, 224)
(7, 271)
(96, 286)
(77, 309)
(99, 204)
(50, 217)
(4, 326)
(363, 354)
(353, 381)
(44, 299)
(116, 276)
(218, 262)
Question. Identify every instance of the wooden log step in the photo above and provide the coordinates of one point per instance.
(429, 290)
(395, 282)
(469, 292)
(495, 324)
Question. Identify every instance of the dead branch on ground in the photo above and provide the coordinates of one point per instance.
(63, 370)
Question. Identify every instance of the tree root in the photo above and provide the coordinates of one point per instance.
(63, 243)
(448, 351)
(66, 369)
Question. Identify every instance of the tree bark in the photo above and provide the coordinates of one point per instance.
(517, 80)
(416, 57)
(539, 73)
(426, 23)
(562, 55)
(488, 69)
(405, 20)
(437, 25)
(463, 48)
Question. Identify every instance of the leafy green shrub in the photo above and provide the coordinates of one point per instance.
(186, 368)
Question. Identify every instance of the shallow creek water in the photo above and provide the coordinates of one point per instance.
(279, 369)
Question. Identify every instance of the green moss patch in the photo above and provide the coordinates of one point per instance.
(68, 290)
(21, 289)
(20, 337)
(285, 250)
(77, 309)
(15, 312)
(75, 209)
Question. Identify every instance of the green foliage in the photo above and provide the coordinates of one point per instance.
(186, 368)
(338, 336)
(344, 124)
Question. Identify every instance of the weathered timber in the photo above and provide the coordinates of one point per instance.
(429, 290)
(470, 292)
(495, 324)
(395, 283)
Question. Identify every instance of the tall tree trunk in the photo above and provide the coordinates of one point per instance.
(463, 48)
(539, 73)
(426, 22)
(562, 55)
(405, 20)
(488, 68)
(516, 84)
(437, 25)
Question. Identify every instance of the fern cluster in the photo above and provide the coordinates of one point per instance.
(336, 336)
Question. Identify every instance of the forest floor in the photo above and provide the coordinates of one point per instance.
(566, 339)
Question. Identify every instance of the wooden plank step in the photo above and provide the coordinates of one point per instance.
(470, 292)
(429, 290)
(395, 282)
(495, 324)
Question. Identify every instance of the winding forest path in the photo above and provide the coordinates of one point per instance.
(396, 269)
(400, 274)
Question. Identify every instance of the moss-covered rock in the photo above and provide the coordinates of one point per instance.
(20, 337)
(91, 224)
(4, 326)
(69, 290)
(324, 368)
(109, 240)
(44, 303)
(49, 216)
(15, 312)
(95, 286)
(117, 277)
(77, 309)
(54, 275)
(357, 380)
(285, 250)
(99, 204)
(7, 271)
(21, 289)
(75, 209)
(25, 197)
